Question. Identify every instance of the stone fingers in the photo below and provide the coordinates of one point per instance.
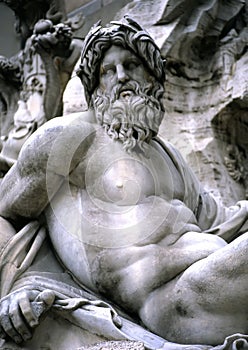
(17, 317)
(6, 322)
(27, 310)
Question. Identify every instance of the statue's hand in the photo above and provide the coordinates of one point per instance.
(21, 310)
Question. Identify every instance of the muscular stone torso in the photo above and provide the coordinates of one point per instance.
(120, 221)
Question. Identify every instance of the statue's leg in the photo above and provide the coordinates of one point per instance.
(211, 297)
(207, 302)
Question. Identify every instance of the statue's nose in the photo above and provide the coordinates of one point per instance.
(121, 73)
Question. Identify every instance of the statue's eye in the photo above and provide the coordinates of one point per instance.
(108, 70)
(133, 64)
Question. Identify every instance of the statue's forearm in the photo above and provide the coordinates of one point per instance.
(24, 194)
(20, 197)
(7, 231)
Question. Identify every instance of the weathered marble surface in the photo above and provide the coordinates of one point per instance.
(208, 100)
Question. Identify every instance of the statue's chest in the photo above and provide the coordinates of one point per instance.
(124, 181)
(114, 176)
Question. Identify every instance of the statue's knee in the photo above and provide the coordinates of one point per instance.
(191, 293)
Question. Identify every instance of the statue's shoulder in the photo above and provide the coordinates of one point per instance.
(75, 125)
(80, 121)
(59, 135)
(164, 146)
(167, 149)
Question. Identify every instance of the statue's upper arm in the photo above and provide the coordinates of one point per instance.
(45, 160)
(56, 147)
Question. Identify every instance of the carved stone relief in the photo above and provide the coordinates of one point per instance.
(44, 67)
(28, 12)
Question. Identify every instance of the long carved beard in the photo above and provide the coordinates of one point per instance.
(129, 114)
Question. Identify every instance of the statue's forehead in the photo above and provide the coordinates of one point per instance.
(117, 54)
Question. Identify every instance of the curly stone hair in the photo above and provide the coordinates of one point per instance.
(127, 34)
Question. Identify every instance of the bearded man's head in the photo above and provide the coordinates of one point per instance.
(132, 108)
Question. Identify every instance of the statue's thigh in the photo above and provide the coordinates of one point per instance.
(218, 279)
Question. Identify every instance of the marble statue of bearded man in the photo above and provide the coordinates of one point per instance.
(114, 210)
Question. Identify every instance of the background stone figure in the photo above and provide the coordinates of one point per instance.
(42, 69)
(28, 12)
(98, 208)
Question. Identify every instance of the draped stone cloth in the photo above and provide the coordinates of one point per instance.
(78, 317)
